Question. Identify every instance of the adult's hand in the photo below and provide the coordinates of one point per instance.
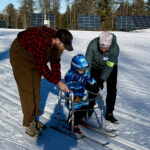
(63, 87)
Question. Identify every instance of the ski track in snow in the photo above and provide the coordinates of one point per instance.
(10, 96)
(12, 132)
(134, 88)
(7, 93)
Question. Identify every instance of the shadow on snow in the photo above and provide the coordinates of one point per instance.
(4, 55)
(52, 139)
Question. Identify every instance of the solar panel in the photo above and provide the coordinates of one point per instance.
(124, 23)
(141, 21)
(3, 24)
(132, 22)
(37, 19)
(88, 22)
(148, 17)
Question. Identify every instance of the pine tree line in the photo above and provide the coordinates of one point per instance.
(107, 9)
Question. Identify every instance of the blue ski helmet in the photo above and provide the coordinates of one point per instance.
(79, 61)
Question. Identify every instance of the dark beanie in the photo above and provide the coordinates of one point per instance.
(66, 37)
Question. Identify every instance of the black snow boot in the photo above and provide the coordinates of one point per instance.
(111, 118)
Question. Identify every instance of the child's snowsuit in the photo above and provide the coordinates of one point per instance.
(76, 82)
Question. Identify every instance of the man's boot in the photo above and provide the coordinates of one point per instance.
(111, 118)
(32, 130)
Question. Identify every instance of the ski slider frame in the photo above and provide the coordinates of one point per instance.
(71, 132)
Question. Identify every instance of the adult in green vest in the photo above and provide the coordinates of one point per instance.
(102, 55)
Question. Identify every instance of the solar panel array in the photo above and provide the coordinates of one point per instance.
(3, 24)
(88, 22)
(37, 19)
(132, 22)
(124, 23)
(141, 21)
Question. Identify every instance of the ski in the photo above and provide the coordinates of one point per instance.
(103, 131)
(67, 131)
(98, 127)
(77, 136)
(100, 141)
(83, 136)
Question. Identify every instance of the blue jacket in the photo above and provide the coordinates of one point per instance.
(77, 84)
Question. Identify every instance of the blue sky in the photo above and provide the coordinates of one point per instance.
(4, 3)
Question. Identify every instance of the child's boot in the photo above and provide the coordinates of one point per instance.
(77, 130)
(83, 123)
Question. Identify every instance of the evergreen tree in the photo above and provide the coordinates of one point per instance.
(1, 16)
(25, 11)
(85, 7)
(68, 14)
(45, 5)
(74, 14)
(21, 19)
(11, 15)
(138, 7)
(81, 7)
(65, 18)
(148, 7)
(51, 6)
(124, 8)
(105, 9)
(55, 10)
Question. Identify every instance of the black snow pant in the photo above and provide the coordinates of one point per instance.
(111, 90)
(78, 115)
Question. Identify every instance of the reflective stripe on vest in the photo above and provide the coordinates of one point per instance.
(110, 64)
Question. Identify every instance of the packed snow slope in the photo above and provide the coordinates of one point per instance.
(132, 105)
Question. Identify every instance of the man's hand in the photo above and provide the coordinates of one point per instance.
(63, 87)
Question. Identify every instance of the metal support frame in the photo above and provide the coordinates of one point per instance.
(70, 131)
(71, 100)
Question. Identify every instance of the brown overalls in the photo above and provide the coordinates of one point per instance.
(28, 80)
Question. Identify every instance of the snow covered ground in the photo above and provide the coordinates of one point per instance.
(132, 105)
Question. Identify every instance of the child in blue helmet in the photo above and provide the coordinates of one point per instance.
(76, 79)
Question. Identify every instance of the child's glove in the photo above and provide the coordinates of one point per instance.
(77, 99)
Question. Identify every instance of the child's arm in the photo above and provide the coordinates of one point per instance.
(71, 80)
(90, 80)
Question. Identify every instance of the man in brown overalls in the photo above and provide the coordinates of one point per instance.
(29, 54)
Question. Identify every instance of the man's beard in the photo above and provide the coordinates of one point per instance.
(56, 52)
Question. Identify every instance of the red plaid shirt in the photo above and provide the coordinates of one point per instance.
(33, 41)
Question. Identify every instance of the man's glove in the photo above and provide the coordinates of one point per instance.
(101, 84)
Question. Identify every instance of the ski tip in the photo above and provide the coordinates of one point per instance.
(106, 143)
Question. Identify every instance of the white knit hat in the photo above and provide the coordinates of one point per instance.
(105, 39)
